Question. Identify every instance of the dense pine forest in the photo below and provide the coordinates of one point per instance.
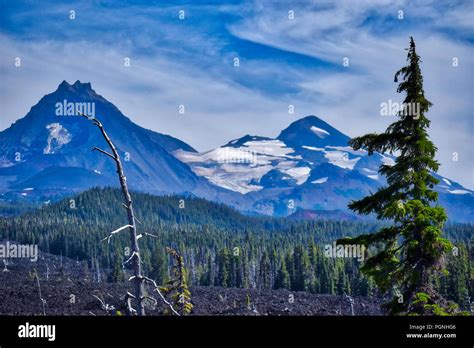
(220, 246)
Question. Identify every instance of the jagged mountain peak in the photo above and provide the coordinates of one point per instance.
(76, 90)
(310, 163)
(53, 141)
(77, 86)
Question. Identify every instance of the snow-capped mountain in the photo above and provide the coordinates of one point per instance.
(48, 152)
(309, 168)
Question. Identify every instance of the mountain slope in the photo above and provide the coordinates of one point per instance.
(309, 166)
(43, 146)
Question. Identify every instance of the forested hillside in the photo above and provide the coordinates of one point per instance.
(221, 247)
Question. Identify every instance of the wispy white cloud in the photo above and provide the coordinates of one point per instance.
(350, 98)
(150, 91)
(190, 62)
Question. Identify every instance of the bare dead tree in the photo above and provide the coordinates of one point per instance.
(138, 279)
(351, 302)
(5, 264)
(97, 269)
(135, 257)
(43, 301)
(47, 270)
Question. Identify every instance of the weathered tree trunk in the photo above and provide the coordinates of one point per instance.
(138, 279)
(135, 257)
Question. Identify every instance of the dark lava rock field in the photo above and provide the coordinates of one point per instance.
(69, 288)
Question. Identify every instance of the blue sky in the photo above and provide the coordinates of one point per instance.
(283, 61)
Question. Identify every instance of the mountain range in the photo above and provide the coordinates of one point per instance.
(307, 171)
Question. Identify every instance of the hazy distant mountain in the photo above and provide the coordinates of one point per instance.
(308, 167)
(45, 153)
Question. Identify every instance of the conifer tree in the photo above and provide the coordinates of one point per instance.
(300, 261)
(282, 280)
(177, 286)
(265, 281)
(223, 264)
(411, 249)
(117, 275)
(159, 266)
(207, 278)
(239, 272)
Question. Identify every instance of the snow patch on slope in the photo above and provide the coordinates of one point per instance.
(458, 192)
(58, 136)
(320, 180)
(348, 149)
(319, 132)
(341, 159)
(336, 157)
(238, 169)
(269, 147)
(300, 174)
(387, 161)
(312, 148)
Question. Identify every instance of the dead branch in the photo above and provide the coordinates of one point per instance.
(151, 235)
(152, 299)
(157, 289)
(134, 254)
(106, 307)
(128, 300)
(114, 232)
(103, 151)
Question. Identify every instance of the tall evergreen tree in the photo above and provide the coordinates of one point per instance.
(208, 277)
(159, 266)
(300, 261)
(282, 280)
(265, 269)
(117, 275)
(239, 272)
(223, 263)
(411, 249)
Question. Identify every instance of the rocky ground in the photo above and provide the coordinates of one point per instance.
(68, 288)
